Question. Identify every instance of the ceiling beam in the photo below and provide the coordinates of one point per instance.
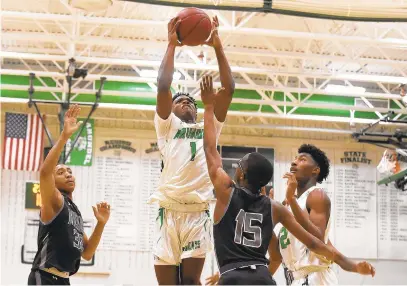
(193, 66)
(193, 84)
(90, 40)
(137, 94)
(395, 42)
(230, 113)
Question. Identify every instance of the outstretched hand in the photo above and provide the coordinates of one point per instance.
(208, 94)
(102, 212)
(365, 268)
(70, 121)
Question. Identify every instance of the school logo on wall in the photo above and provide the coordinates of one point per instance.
(153, 148)
(82, 152)
(32, 195)
(355, 157)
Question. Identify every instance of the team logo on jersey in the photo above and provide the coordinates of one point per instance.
(192, 245)
(189, 133)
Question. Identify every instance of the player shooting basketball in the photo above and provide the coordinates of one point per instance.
(184, 192)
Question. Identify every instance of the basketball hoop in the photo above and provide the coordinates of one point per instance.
(91, 5)
(389, 163)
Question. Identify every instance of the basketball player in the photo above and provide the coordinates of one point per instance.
(243, 217)
(311, 207)
(61, 239)
(184, 225)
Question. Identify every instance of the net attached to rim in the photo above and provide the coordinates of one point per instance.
(393, 161)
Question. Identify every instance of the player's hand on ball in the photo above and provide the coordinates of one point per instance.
(365, 268)
(212, 280)
(172, 32)
(208, 95)
(70, 121)
(214, 40)
(102, 212)
(291, 186)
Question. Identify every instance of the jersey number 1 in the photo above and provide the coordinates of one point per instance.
(193, 150)
(244, 224)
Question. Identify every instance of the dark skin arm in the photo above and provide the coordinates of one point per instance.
(275, 255)
(363, 268)
(318, 204)
(221, 181)
(51, 198)
(102, 214)
(283, 215)
(166, 71)
(315, 222)
(224, 96)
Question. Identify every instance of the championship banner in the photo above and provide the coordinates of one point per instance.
(82, 152)
(32, 195)
(355, 202)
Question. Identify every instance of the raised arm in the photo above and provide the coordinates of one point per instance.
(318, 204)
(51, 198)
(283, 215)
(102, 214)
(222, 183)
(224, 97)
(166, 72)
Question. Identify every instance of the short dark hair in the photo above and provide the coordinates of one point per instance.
(179, 94)
(320, 159)
(259, 170)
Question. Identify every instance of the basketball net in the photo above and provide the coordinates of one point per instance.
(91, 5)
(389, 164)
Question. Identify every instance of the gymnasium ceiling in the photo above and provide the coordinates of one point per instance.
(288, 70)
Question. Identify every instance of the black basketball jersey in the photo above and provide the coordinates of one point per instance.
(243, 234)
(60, 242)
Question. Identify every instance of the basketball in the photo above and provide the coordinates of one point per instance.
(195, 27)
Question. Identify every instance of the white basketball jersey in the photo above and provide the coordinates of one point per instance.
(294, 253)
(185, 177)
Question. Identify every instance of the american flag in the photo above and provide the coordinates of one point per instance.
(23, 142)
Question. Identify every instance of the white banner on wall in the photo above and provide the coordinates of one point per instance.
(392, 222)
(117, 164)
(355, 203)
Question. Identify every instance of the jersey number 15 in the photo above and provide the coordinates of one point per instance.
(244, 222)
